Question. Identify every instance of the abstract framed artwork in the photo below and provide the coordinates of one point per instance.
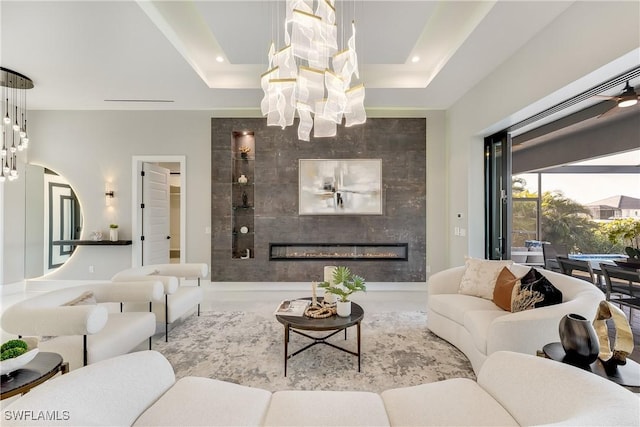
(340, 187)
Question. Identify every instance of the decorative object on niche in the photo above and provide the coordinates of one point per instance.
(343, 285)
(245, 199)
(340, 187)
(14, 125)
(623, 344)
(113, 232)
(96, 236)
(578, 339)
(244, 229)
(247, 254)
(301, 77)
(244, 152)
(243, 179)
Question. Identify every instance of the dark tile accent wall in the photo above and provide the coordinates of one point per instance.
(400, 143)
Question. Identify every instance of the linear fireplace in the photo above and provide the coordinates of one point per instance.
(339, 251)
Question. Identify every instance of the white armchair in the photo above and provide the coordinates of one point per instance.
(179, 297)
(93, 331)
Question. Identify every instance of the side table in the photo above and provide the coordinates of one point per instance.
(43, 367)
(627, 375)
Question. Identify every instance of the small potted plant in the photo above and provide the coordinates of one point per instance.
(346, 283)
(113, 232)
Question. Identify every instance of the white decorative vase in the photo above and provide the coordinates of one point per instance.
(343, 308)
(113, 234)
(243, 179)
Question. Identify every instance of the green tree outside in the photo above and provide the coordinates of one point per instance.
(567, 222)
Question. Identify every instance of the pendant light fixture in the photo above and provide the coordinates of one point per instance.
(310, 75)
(14, 123)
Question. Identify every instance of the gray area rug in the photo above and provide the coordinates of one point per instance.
(247, 348)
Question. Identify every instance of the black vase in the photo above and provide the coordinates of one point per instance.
(578, 339)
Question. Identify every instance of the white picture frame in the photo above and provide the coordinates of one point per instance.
(340, 187)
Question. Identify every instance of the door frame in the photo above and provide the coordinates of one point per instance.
(497, 196)
(136, 199)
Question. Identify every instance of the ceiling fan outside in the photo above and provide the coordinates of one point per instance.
(627, 98)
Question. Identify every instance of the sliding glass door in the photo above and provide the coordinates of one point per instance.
(497, 169)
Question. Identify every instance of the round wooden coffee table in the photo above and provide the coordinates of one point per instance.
(334, 323)
(44, 366)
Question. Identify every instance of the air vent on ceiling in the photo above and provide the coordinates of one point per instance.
(139, 100)
(602, 87)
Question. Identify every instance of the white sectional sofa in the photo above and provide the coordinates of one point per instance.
(179, 298)
(89, 332)
(478, 327)
(140, 389)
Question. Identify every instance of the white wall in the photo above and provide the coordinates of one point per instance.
(585, 38)
(92, 147)
(13, 226)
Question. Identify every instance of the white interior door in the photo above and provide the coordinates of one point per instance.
(155, 214)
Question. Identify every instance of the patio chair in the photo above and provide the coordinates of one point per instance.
(577, 268)
(624, 284)
(550, 252)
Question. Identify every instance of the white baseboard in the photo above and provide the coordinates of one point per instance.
(12, 288)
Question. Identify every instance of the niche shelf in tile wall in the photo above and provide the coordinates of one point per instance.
(243, 156)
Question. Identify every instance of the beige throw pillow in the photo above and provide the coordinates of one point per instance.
(479, 277)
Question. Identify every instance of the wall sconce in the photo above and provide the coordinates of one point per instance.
(108, 194)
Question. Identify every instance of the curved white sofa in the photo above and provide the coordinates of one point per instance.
(85, 334)
(478, 327)
(179, 298)
(140, 389)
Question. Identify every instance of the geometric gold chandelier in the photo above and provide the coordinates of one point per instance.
(310, 75)
(14, 121)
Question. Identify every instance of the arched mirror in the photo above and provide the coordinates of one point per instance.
(52, 214)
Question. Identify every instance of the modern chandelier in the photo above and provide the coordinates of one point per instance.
(14, 121)
(310, 76)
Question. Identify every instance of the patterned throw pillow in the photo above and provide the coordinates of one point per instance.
(479, 277)
(504, 288)
(534, 291)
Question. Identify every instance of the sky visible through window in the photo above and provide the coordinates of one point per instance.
(588, 188)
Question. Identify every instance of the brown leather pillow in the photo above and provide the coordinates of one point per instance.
(504, 287)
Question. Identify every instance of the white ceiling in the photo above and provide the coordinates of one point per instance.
(81, 53)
